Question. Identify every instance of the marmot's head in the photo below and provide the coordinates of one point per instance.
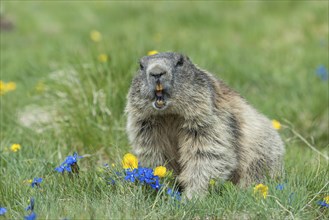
(163, 74)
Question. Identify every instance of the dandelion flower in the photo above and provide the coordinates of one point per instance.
(2, 210)
(160, 171)
(276, 124)
(152, 52)
(129, 161)
(15, 147)
(261, 189)
(95, 36)
(102, 58)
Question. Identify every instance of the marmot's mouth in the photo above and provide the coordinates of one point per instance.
(159, 102)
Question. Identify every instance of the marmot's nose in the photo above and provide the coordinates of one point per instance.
(157, 72)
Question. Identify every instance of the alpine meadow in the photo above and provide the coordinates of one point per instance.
(66, 68)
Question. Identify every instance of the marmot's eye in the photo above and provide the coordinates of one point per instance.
(141, 66)
(180, 62)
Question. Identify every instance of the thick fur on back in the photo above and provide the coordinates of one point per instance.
(204, 130)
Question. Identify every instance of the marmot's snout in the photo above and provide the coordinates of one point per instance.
(159, 77)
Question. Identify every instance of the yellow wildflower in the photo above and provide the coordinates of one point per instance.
(160, 171)
(15, 147)
(212, 182)
(95, 36)
(113, 165)
(129, 161)
(102, 58)
(326, 199)
(276, 124)
(6, 87)
(152, 52)
(261, 189)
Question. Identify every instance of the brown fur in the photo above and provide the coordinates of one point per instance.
(205, 130)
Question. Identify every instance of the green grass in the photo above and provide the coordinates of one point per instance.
(266, 51)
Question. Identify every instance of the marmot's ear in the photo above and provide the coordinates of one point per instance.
(180, 60)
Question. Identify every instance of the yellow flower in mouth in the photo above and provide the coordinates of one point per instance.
(95, 36)
(160, 171)
(15, 147)
(102, 58)
(261, 189)
(129, 161)
(152, 52)
(276, 124)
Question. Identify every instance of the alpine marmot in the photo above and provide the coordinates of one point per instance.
(187, 119)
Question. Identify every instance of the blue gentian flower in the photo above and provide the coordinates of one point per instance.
(157, 184)
(280, 186)
(2, 210)
(36, 182)
(131, 175)
(322, 72)
(145, 175)
(31, 216)
(60, 169)
(68, 163)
